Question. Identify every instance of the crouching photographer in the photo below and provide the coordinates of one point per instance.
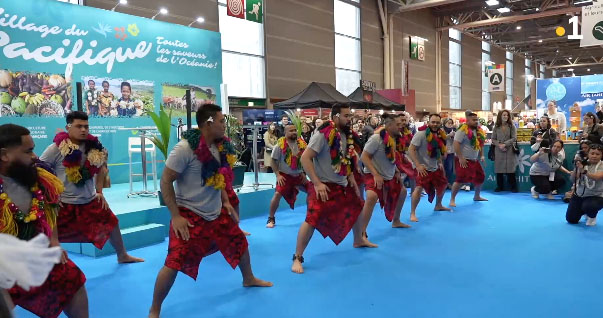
(581, 156)
(588, 194)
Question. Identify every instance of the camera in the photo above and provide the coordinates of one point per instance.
(582, 157)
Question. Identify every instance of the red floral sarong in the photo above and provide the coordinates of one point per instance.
(434, 182)
(289, 191)
(336, 217)
(86, 223)
(388, 195)
(232, 197)
(405, 166)
(474, 173)
(206, 238)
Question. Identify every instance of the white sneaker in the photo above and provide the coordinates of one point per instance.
(534, 193)
(466, 188)
(591, 221)
(554, 192)
(550, 196)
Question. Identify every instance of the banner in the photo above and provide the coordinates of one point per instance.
(368, 89)
(417, 48)
(404, 73)
(592, 24)
(127, 65)
(571, 95)
(496, 78)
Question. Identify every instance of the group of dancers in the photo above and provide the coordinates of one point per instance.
(61, 194)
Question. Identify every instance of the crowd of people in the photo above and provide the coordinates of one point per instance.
(345, 171)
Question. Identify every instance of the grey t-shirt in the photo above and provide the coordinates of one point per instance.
(420, 142)
(587, 187)
(18, 193)
(190, 191)
(375, 147)
(466, 148)
(322, 161)
(277, 154)
(73, 194)
(542, 166)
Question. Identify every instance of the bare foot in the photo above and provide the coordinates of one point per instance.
(398, 224)
(452, 204)
(269, 225)
(256, 282)
(365, 243)
(480, 199)
(297, 267)
(246, 233)
(442, 208)
(154, 313)
(129, 259)
(413, 218)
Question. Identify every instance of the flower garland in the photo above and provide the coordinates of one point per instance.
(404, 139)
(343, 164)
(96, 157)
(390, 145)
(215, 174)
(292, 161)
(42, 214)
(435, 142)
(477, 140)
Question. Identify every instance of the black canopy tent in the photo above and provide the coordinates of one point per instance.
(379, 101)
(316, 95)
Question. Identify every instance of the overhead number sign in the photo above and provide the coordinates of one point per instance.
(496, 78)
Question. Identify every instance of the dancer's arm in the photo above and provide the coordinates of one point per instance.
(321, 188)
(179, 223)
(367, 159)
(421, 169)
(280, 180)
(100, 182)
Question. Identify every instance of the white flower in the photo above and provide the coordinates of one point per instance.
(123, 104)
(523, 160)
(130, 105)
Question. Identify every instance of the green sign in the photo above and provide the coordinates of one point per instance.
(414, 48)
(598, 31)
(255, 10)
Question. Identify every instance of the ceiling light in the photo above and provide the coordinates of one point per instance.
(570, 57)
(580, 3)
(163, 11)
(588, 69)
(492, 2)
(504, 10)
(539, 41)
(518, 27)
(570, 69)
(198, 20)
(122, 2)
(537, 9)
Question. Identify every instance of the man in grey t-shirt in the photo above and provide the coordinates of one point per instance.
(468, 150)
(427, 158)
(85, 216)
(334, 203)
(290, 178)
(382, 178)
(203, 220)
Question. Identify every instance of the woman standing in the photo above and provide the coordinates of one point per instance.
(306, 132)
(505, 160)
(270, 140)
(449, 160)
(588, 197)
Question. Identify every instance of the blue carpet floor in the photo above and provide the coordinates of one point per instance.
(510, 257)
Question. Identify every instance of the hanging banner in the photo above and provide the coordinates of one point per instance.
(368, 89)
(592, 24)
(404, 73)
(255, 10)
(417, 48)
(496, 78)
(127, 66)
(236, 8)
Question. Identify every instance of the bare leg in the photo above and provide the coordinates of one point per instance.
(359, 228)
(476, 197)
(439, 206)
(6, 304)
(239, 217)
(455, 190)
(367, 209)
(78, 305)
(399, 205)
(303, 238)
(163, 284)
(276, 199)
(118, 244)
(415, 199)
(248, 279)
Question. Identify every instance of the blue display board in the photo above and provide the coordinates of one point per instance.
(127, 64)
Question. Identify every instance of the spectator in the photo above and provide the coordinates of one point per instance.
(553, 114)
(449, 160)
(582, 156)
(592, 130)
(541, 170)
(280, 129)
(270, 140)
(306, 132)
(505, 160)
(369, 129)
(317, 122)
(544, 133)
(588, 197)
(490, 124)
(600, 113)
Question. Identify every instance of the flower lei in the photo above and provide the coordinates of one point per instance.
(96, 157)
(477, 140)
(435, 142)
(343, 164)
(292, 161)
(214, 174)
(404, 140)
(390, 145)
(42, 214)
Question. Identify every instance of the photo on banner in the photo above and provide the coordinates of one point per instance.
(115, 97)
(34, 94)
(174, 97)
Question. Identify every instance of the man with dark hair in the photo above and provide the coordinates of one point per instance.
(280, 129)
(334, 203)
(286, 164)
(469, 148)
(20, 180)
(203, 219)
(92, 97)
(381, 177)
(79, 160)
(427, 151)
